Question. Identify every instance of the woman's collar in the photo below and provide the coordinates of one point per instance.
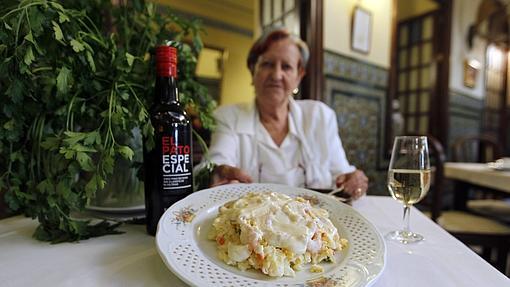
(246, 119)
(248, 116)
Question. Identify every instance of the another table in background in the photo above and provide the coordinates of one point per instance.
(475, 174)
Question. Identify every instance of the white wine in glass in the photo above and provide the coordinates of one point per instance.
(408, 186)
(408, 180)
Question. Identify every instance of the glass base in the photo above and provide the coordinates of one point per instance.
(404, 237)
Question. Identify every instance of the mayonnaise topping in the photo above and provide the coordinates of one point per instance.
(275, 234)
(279, 220)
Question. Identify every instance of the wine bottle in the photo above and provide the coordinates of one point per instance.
(168, 165)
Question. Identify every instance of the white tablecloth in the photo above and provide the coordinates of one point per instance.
(478, 174)
(131, 259)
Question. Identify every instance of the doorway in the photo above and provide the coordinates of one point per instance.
(419, 73)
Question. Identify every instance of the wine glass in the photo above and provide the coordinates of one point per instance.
(408, 179)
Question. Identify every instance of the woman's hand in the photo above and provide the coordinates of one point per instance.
(354, 183)
(224, 174)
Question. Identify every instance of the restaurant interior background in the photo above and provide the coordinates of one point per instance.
(436, 67)
(427, 67)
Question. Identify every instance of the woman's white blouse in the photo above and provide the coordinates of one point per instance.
(311, 155)
(279, 164)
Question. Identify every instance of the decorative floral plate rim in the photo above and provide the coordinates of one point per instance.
(182, 244)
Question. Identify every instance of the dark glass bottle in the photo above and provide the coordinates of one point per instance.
(167, 166)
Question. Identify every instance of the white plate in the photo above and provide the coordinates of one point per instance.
(182, 242)
(498, 166)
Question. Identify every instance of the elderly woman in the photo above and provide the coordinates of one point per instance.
(278, 139)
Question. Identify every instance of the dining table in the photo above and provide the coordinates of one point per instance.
(479, 175)
(132, 259)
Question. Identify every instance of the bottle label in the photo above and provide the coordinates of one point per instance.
(176, 162)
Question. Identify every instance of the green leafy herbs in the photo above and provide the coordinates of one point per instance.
(76, 80)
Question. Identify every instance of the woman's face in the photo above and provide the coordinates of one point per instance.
(277, 72)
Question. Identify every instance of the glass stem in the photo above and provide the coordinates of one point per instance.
(407, 210)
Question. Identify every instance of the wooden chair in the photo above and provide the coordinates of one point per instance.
(476, 148)
(471, 229)
(482, 149)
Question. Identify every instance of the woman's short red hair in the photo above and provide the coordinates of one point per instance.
(271, 36)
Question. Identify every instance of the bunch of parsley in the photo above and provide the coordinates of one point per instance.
(75, 80)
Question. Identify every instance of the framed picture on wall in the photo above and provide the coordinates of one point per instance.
(361, 30)
(470, 72)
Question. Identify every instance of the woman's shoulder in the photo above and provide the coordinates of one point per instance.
(232, 111)
(314, 107)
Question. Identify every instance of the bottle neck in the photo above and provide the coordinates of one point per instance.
(166, 91)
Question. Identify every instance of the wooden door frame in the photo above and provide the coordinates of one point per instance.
(500, 132)
(503, 121)
(311, 24)
(440, 121)
(439, 118)
(392, 80)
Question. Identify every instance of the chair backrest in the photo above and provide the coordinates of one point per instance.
(437, 160)
(476, 148)
(434, 198)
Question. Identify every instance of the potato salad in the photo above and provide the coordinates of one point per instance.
(275, 234)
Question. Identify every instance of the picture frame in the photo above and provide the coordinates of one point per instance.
(361, 30)
(470, 73)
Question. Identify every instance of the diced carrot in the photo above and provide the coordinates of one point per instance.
(220, 240)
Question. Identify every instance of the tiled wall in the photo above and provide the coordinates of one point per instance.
(465, 117)
(357, 92)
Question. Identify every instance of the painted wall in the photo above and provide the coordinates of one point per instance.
(337, 29)
(209, 63)
(407, 9)
(228, 27)
(238, 13)
(356, 84)
(464, 14)
(236, 85)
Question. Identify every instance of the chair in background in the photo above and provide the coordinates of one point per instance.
(476, 148)
(473, 230)
(482, 149)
